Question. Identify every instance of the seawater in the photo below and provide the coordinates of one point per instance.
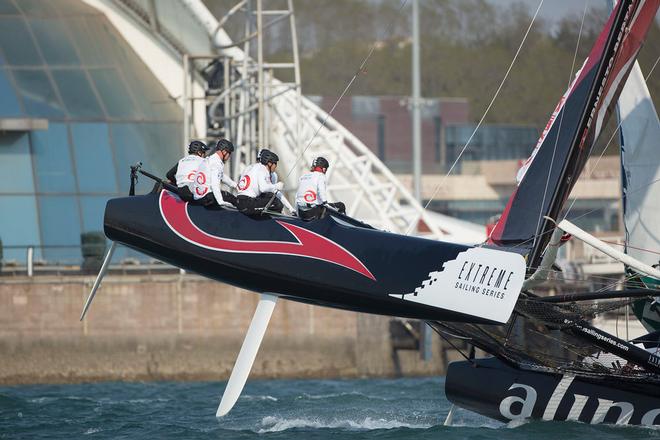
(269, 409)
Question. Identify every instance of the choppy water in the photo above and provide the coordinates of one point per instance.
(276, 409)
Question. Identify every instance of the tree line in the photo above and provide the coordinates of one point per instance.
(467, 46)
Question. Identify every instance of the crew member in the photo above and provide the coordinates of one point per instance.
(183, 173)
(256, 187)
(274, 178)
(211, 173)
(312, 195)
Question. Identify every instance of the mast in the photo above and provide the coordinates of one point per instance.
(576, 161)
(416, 103)
(547, 178)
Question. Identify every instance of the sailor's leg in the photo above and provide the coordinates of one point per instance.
(185, 194)
(229, 197)
(310, 214)
(339, 206)
(245, 204)
(263, 199)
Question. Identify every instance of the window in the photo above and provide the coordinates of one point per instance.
(38, 7)
(8, 101)
(55, 44)
(7, 7)
(18, 225)
(15, 164)
(79, 99)
(129, 148)
(92, 208)
(117, 101)
(37, 93)
(16, 42)
(60, 226)
(89, 34)
(52, 159)
(365, 106)
(164, 142)
(94, 163)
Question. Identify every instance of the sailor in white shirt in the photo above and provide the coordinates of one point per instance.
(312, 195)
(183, 173)
(256, 187)
(210, 174)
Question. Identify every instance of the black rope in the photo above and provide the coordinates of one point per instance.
(467, 357)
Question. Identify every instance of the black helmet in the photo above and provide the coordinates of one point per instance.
(266, 156)
(320, 162)
(197, 147)
(224, 145)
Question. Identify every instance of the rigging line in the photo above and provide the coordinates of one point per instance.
(631, 247)
(343, 93)
(572, 348)
(506, 75)
(561, 119)
(613, 284)
(614, 133)
(572, 220)
(443, 336)
(359, 71)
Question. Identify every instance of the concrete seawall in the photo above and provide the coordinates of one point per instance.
(171, 327)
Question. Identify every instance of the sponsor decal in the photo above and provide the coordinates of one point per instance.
(200, 179)
(516, 408)
(244, 183)
(307, 244)
(481, 282)
(309, 196)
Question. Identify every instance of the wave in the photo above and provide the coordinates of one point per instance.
(252, 398)
(306, 396)
(275, 424)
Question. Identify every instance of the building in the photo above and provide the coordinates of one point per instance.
(384, 123)
(77, 107)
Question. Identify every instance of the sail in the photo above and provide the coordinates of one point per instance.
(566, 142)
(640, 182)
(640, 169)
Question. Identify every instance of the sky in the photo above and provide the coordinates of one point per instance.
(554, 9)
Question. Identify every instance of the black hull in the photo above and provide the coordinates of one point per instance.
(334, 262)
(502, 392)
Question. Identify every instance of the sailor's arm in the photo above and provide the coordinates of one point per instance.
(216, 175)
(285, 202)
(228, 181)
(265, 184)
(171, 174)
(322, 190)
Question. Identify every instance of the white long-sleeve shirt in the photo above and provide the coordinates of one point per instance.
(265, 183)
(256, 180)
(186, 170)
(209, 176)
(312, 189)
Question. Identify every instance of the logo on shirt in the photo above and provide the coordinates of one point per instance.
(306, 243)
(200, 179)
(244, 183)
(309, 196)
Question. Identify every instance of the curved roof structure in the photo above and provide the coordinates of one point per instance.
(77, 107)
(91, 86)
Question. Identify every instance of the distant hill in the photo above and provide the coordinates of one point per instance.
(467, 46)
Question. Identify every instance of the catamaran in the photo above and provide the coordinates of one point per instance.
(478, 293)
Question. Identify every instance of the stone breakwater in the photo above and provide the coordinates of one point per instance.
(171, 327)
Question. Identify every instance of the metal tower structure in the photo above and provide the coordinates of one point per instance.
(297, 129)
(230, 89)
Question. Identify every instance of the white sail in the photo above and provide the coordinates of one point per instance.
(640, 160)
